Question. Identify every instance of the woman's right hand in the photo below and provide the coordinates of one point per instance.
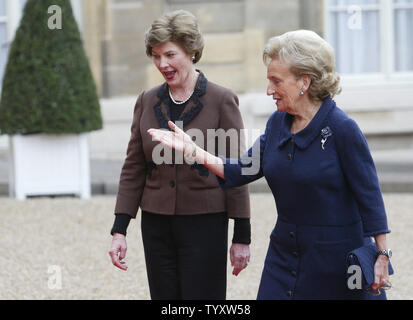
(118, 251)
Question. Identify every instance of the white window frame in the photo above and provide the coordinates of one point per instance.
(12, 20)
(387, 66)
(14, 15)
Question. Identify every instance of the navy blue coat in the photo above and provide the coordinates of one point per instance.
(328, 201)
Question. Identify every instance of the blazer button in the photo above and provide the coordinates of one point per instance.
(292, 235)
(289, 156)
(294, 273)
(172, 184)
(289, 293)
(295, 254)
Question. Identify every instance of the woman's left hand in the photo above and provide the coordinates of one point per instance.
(240, 257)
(381, 273)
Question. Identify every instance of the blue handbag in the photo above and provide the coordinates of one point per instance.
(365, 257)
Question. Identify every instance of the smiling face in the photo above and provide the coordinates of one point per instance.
(173, 63)
(283, 86)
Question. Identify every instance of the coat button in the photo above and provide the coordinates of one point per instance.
(172, 184)
(293, 273)
(292, 235)
(295, 254)
(289, 156)
(289, 293)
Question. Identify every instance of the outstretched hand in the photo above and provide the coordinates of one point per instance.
(176, 139)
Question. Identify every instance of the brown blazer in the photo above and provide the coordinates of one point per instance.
(179, 189)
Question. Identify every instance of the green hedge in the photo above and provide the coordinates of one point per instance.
(48, 86)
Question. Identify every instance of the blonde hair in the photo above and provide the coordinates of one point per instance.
(305, 52)
(180, 27)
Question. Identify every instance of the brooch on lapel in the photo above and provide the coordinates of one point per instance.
(325, 133)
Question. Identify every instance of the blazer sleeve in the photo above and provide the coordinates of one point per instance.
(360, 173)
(133, 174)
(238, 201)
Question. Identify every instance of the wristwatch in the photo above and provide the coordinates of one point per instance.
(387, 253)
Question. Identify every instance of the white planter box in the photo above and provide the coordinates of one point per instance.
(46, 164)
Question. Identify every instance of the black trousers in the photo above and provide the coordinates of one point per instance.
(186, 256)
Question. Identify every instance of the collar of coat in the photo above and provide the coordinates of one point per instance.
(304, 137)
(192, 108)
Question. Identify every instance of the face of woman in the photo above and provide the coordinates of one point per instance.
(283, 86)
(173, 63)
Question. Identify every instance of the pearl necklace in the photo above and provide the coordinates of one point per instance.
(179, 102)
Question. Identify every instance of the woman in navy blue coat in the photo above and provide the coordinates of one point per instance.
(320, 171)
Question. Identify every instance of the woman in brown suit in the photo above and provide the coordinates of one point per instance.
(185, 213)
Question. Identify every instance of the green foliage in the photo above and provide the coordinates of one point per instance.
(48, 86)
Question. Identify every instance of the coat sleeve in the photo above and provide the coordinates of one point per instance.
(238, 202)
(133, 174)
(248, 167)
(360, 173)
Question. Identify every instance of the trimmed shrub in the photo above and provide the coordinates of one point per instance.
(48, 85)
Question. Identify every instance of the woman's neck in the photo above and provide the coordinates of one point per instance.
(304, 115)
(184, 89)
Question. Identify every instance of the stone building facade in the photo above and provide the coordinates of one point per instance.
(235, 32)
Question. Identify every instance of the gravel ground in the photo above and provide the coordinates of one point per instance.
(42, 238)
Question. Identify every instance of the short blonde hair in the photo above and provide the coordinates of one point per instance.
(305, 52)
(180, 27)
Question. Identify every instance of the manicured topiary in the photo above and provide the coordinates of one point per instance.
(48, 85)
